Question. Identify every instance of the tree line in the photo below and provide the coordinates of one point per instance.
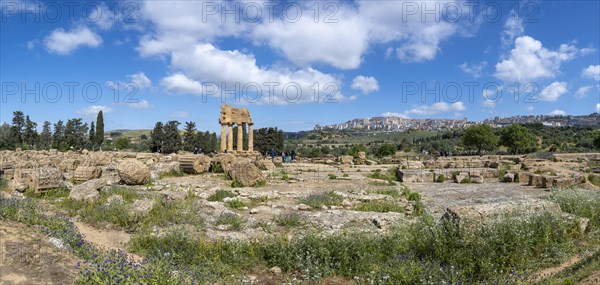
(74, 134)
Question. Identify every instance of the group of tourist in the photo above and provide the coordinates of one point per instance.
(286, 156)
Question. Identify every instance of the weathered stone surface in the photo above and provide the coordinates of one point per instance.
(548, 181)
(110, 173)
(47, 178)
(460, 177)
(87, 190)
(535, 180)
(194, 164)
(17, 185)
(361, 158)
(69, 164)
(133, 172)
(222, 162)
(100, 158)
(508, 177)
(163, 168)
(85, 173)
(246, 173)
(265, 164)
(346, 159)
(174, 195)
(490, 210)
(142, 207)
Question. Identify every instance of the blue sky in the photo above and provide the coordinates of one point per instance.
(148, 61)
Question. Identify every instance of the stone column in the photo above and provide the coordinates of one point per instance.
(250, 137)
(223, 138)
(230, 137)
(240, 138)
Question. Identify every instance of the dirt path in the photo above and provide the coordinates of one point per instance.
(556, 269)
(28, 257)
(107, 239)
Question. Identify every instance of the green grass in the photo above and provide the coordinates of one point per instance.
(423, 252)
(380, 206)
(594, 179)
(234, 221)
(414, 196)
(3, 184)
(441, 178)
(172, 173)
(50, 194)
(289, 220)
(389, 174)
(236, 204)
(219, 195)
(317, 201)
(393, 192)
(582, 203)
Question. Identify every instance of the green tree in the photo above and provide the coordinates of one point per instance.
(189, 136)
(356, 148)
(213, 142)
(597, 141)
(46, 136)
(157, 137)
(480, 138)
(385, 150)
(75, 131)
(266, 139)
(517, 139)
(172, 141)
(92, 136)
(122, 143)
(30, 134)
(18, 124)
(5, 136)
(58, 137)
(99, 129)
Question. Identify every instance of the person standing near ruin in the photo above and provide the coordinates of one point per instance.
(273, 154)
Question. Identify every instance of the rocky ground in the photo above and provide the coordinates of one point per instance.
(267, 194)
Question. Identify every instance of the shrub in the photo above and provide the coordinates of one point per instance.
(236, 184)
(331, 176)
(234, 221)
(317, 201)
(236, 204)
(379, 206)
(172, 173)
(285, 177)
(465, 180)
(441, 178)
(414, 196)
(583, 203)
(594, 179)
(219, 195)
(393, 192)
(289, 220)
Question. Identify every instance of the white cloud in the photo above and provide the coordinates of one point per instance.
(366, 85)
(338, 38)
(529, 61)
(239, 72)
(179, 83)
(144, 104)
(63, 43)
(440, 107)
(530, 109)
(91, 111)
(102, 16)
(553, 91)
(558, 112)
(474, 69)
(140, 80)
(598, 108)
(592, 71)
(582, 91)
(513, 27)
(392, 114)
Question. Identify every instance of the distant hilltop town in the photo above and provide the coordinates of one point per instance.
(399, 124)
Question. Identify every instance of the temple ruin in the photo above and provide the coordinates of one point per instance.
(241, 118)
